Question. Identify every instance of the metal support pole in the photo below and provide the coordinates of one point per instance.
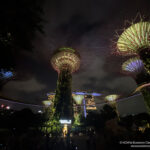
(84, 107)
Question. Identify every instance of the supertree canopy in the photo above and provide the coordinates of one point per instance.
(133, 65)
(78, 99)
(136, 40)
(145, 90)
(65, 58)
(65, 61)
(46, 103)
(111, 99)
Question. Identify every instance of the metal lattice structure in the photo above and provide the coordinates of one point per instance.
(65, 58)
(65, 61)
(78, 98)
(133, 65)
(112, 97)
(82, 100)
(134, 39)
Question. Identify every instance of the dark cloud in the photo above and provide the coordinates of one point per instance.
(88, 26)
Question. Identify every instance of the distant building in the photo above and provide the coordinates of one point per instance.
(83, 102)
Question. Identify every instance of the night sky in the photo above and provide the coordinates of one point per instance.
(89, 26)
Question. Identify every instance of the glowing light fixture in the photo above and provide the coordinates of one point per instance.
(8, 107)
(136, 40)
(112, 98)
(85, 93)
(65, 121)
(46, 103)
(40, 111)
(96, 94)
(2, 106)
(79, 93)
(134, 65)
(78, 98)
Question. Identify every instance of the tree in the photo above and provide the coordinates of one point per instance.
(51, 123)
(146, 95)
(20, 20)
(108, 112)
(98, 120)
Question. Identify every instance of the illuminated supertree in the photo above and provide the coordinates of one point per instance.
(136, 40)
(111, 99)
(133, 65)
(78, 99)
(65, 61)
(46, 103)
(135, 68)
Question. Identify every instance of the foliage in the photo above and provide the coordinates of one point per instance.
(108, 112)
(133, 65)
(98, 120)
(63, 98)
(146, 94)
(142, 78)
(20, 120)
(51, 124)
(145, 56)
(19, 22)
(24, 127)
(77, 120)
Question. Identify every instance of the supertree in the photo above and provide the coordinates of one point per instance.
(136, 40)
(78, 99)
(112, 101)
(135, 68)
(65, 61)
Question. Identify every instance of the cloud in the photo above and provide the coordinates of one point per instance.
(87, 26)
(28, 86)
(124, 85)
(91, 75)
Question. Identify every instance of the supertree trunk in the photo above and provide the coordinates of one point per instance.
(115, 108)
(63, 98)
(145, 57)
(143, 78)
(146, 95)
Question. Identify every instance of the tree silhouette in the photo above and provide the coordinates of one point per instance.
(19, 22)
